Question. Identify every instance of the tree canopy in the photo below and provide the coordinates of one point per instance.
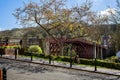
(59, 21)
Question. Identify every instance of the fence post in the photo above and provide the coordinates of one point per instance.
(15, 53)
(31, 57)
(4, 74)
(1, 52)
(50, 59)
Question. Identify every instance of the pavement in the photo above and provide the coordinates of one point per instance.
(84, 67)
(67, 64)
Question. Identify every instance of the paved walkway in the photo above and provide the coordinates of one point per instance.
(84, 67)
(66, 64)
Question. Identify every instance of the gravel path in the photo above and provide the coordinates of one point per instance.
(27, 71)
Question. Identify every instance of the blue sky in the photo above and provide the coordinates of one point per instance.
(7, 7)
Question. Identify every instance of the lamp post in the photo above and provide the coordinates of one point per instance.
(70, 50)
(95, 58)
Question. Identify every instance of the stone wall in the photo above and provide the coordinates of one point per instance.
(9, 51)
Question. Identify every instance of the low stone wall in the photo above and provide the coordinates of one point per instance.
(10, 51)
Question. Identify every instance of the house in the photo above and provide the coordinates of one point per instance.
(83, 48)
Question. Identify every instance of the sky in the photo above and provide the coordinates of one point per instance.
(7, 7)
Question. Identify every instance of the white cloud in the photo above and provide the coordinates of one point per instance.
(0, 29)
(108, 12)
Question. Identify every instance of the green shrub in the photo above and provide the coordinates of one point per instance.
(65, 58)
(112, 59)
(101, 63)
(42, 55)
(11, 46)
(86, 61)
(35, 49)
(16, 46)
(59, 58)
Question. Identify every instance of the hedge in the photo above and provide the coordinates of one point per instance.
(82, 60)
(101, 63)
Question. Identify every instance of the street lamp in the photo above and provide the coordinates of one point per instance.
(95, 58)
(70, 50)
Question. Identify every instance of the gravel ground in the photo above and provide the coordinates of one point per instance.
(27, 71)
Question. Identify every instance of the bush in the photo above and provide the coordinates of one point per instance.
(10, 46)
(112, 59)
(35, 49)
(65, 58)
(86, 61)
(101, 63)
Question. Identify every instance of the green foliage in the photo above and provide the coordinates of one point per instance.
(87, 61)
(2, 47)
(10, 46)
(35, 49)
(101, 63)
(109, 64)
(62, 58)
(112, 59)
